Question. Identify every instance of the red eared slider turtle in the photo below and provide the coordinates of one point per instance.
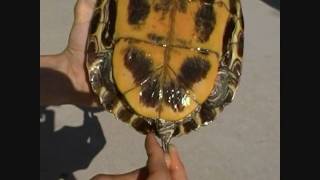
(168, 66)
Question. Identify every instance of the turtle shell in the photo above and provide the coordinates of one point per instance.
(168, 66)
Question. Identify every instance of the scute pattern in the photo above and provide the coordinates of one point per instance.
(103, 37)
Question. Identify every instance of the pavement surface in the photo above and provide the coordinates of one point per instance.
(244, 143)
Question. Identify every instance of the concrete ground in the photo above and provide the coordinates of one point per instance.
(244, 144)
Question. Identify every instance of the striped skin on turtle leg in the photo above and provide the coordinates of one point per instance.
(108, 99)
(177, 131)
(96, 18)
(227, 39)
(91, 52)
(99, 57)
(233, 42)
(233, 7)
(93, 64)
(107, 35)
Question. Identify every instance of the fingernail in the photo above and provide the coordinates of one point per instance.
(167, 159)
(171, 148)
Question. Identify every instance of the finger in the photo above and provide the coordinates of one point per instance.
(101, 177)
(138, 174)
(156, 158)
(167, 159)
(176, 166)
(83, 10)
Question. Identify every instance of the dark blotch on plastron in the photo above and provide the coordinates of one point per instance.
(207, 1)
(138, 64)
(189, 126)
(193, 70)
(163, 5)
(155, 38)
(124, 114)
(240, 44)
(182, 5)
(142, 125)
(108, 31)
(110, 100)
(95, 21)
(233, 7)
(173, 94)
(205, 21)
(207, 113)
(227, 37)
(150, 92)
(138, 11)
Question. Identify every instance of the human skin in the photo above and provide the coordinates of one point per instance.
(63, 80)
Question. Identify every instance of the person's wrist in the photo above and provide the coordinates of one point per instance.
(53, 71)
(75, 71)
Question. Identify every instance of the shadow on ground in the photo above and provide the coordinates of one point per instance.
(273, 3)
(69, 149)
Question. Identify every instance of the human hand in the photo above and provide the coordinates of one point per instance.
(160, 166)
(75, 50)
(66, 70)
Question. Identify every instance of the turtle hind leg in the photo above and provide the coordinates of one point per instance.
(165, 130)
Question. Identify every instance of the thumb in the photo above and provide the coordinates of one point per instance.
(156, 156)
(137, 174)
(157, 167)
(177, 168)
(83, 10)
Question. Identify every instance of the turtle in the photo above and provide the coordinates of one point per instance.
(165, 66)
